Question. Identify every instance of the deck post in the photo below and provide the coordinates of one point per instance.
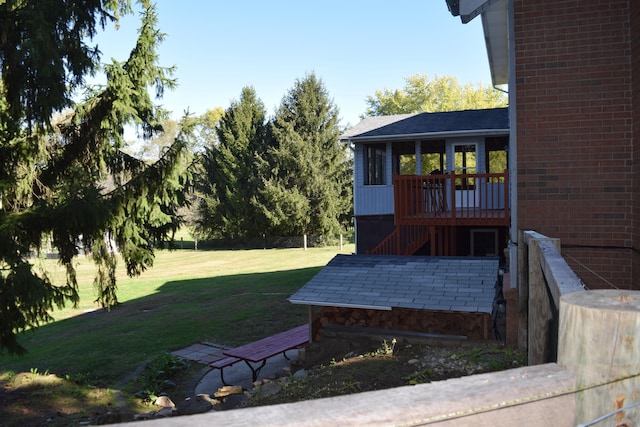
(452, 181)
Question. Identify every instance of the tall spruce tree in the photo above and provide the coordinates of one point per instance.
(307, 180)
(231, 178)
(63, 176)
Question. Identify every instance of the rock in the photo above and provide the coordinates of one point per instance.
(145, 416)
(285, 380)
(300, 374)
(195, 406)
(413, 361)
(285, 372)
(164, 412)
(228, 390)
(206, 398)
(110, 417)
(165, 402)
(231, 402)
(268, 389)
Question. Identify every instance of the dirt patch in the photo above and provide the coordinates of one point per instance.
(392, 366)
(37, 399)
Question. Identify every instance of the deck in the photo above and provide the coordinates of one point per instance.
(452, 199)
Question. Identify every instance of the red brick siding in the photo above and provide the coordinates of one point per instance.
(575, 127)
(635, 63)
(600, 269)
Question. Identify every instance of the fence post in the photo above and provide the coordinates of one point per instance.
(340, 242)
(304, 240)
(599, 341)
(539, 347)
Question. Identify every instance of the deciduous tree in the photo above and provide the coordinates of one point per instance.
(440, 94)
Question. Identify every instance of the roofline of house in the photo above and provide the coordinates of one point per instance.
(430, 135)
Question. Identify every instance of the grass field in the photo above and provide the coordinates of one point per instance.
(225, 297)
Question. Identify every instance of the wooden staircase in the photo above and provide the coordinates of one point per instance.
(407, 239)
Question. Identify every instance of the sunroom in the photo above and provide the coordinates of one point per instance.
(431, 183)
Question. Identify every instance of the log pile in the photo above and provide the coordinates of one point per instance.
(475, 326)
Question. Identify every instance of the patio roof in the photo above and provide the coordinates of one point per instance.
(463, 284)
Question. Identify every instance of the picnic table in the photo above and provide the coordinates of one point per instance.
(263, 349)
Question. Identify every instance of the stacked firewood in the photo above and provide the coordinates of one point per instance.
(472, 325)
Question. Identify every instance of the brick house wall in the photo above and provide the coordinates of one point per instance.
(635, 82)
(575, 133)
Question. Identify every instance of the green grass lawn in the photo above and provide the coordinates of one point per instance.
(225, 297)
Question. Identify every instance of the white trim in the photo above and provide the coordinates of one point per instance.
(513, 153)
(495, 26)
(469, 9)
(433, 135)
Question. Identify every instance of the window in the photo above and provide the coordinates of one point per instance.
(404, 158)
(465, 158)
(374, 164)
(496, 154)
(465, 163)
(484, 242)
(433, 163)
(434, 159)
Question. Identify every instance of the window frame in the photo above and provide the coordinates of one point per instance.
(375, 163)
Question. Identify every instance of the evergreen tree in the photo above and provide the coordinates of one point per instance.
(66, 180)
(307, 175)
(231, 185)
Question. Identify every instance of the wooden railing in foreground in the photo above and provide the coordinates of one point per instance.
(544, 277)
(597, 373)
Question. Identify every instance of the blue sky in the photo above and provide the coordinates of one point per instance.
(355, 46)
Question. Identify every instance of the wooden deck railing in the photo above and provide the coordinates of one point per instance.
(452, 199)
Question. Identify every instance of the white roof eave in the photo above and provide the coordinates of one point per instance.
(495, 26)
(431, 135)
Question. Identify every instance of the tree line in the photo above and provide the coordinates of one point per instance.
(69, 179)
(285, 176)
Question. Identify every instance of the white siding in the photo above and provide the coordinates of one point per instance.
(371, 199)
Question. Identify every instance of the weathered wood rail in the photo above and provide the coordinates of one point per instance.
(597, 373)
(544, 277)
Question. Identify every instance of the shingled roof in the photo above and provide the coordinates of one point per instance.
(494, 120)
(463, 284)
